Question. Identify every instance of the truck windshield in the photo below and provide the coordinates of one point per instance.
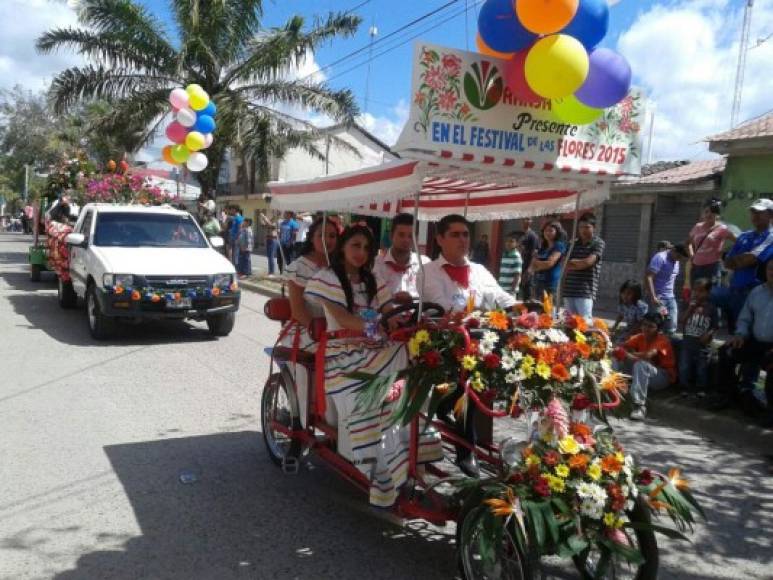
(134, 229)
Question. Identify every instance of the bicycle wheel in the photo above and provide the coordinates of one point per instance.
(509, 563)
(279, 408)
(588, 561)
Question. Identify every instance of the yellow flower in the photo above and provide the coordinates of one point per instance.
(421, 337)
(562, 470)
(609, 519)
(620, 457)
(543, 370)
(527, 366)
(533, 460)
(469, 362)
(594, 472)
(579, 337)
(477, 383)
(569, 445)
(413, 347)
(555, 484)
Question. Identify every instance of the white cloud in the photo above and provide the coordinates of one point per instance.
(21, 23)
(387, 127)
(684, 54)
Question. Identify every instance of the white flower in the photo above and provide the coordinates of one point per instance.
(591, 510)
(511, 377)
(555, 335)
(584, 489)
(507, 362)
(573, 372)
(483, 350)
(490, 338)
(520, 375)
(606, 367)
(517, 355)
(629, 505)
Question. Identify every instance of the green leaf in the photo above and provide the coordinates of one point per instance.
(668, 532)
(550, 519)
(535, 523)
(632, 555)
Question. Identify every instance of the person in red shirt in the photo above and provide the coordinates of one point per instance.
(649, 358)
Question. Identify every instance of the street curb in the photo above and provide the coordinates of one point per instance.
(728, 428)
(259, 289)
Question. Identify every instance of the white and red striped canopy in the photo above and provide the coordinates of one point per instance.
(445, 186)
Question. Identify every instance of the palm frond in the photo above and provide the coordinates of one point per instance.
(129, 18)
(133, 121)
(114, 49)
(339, 105)
(274, 54)
(83, 83)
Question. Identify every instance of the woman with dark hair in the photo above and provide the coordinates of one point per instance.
(546, 265)
(649, 358)
(351, 299)
(631, 310)
(705, 243)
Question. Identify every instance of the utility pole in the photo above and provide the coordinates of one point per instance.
(651, 135)
(739, 73)
(26, 182)
(373, 32)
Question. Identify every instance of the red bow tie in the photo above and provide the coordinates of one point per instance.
(459, 274)
(397, 267)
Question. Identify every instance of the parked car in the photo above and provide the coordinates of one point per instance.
(134, 262)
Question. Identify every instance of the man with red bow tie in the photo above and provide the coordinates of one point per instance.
(453, 281)
(456, 283)
(399, 267)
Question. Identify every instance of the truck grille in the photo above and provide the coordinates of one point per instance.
(176, 282)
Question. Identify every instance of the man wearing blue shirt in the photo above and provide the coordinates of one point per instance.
(288, 227)
(751, 249)
(752, 347)
(233, 234)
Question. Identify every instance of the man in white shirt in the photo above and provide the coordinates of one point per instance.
(456, 283)
(304, 223)
(453, 281)
(399, 268)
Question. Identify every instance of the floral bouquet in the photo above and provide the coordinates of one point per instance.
(124, 188)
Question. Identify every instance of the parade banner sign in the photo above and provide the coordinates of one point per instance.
(462, 106)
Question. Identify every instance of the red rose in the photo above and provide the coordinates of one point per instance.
(645, 477)
(551, 458)
(541, 487)
(581, 402)
(432, 359)
(516, 478)
(472, 323)
(491, 361)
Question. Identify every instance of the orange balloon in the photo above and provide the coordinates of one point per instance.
(545, 16)
(166, 153)
(484, 48)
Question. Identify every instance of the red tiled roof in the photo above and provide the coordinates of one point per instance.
(754, 129)
(684, 174)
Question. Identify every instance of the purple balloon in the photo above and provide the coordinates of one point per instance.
(608, 82)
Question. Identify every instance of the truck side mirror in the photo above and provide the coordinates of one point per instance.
(75, 239)
(217, 242)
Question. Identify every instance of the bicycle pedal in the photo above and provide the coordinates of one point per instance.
(290, 465)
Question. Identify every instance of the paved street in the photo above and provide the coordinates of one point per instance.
(94, 438)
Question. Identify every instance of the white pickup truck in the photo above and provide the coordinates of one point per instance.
(134, 262)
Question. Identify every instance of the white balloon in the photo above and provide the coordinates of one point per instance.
(197, 161)
(208, 139)
(178, 98)
(186, 117)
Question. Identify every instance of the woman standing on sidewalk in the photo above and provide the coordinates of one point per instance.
(705, 243)
(272, 232)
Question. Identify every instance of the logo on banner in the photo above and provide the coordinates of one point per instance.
(484, 86)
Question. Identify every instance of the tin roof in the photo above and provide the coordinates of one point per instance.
(694, 172)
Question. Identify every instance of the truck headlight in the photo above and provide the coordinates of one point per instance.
(123, 280)
(222, 280)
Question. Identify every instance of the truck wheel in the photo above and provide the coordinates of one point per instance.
(66, 294)
(35, 272)
(100, 326)
(221, 324)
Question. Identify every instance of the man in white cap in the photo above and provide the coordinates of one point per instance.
(752, 248)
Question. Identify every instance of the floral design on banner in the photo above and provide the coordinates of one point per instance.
(616, 124)
(440, 92)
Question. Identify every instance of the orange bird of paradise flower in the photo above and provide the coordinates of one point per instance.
(547, 304)
(502, 507)
(676, 479)
(615, 382)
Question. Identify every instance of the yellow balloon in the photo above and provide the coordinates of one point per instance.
(198, 101)
(192, 89)
(180, 153)
(556, 66)
(570, 110)
(195, 141)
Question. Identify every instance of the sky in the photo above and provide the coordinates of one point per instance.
(683, 54)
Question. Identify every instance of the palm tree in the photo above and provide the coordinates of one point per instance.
(134, 61)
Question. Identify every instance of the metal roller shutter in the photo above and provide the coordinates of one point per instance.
(673, 222)
(622, 226)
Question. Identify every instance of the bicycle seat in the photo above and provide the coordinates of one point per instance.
(285, 354)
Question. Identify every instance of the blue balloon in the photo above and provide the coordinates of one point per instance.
(500, 28)
(210, 110)
(204, 124)
(590, 24)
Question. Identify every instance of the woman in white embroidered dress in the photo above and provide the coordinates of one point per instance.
(313, 258)
(349, 294)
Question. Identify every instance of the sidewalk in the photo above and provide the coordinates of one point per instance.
(730, 427)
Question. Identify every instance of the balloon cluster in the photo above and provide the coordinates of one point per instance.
(191, 131)
(551, 49)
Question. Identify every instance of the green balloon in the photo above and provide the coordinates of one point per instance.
(570, 110)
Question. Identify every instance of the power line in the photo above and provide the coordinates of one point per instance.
(398, 45)
(382, 39)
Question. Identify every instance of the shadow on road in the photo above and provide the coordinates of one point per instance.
(42, 312)
(244, 518)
